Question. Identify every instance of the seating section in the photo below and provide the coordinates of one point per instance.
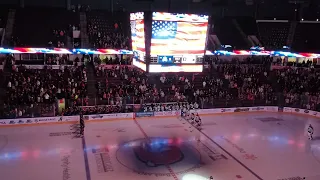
(108, 30)
(248, 25)
(34, 88)
(3, 19)
(3, 16)
(306, 38)
(120, 81)
(228, 34)
(50, 26)
(273, 35)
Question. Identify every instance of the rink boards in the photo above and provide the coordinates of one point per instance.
(150, 115)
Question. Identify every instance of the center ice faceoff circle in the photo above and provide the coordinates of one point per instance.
(153, 155)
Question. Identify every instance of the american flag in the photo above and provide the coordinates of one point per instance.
(176, 38)
(137, 35)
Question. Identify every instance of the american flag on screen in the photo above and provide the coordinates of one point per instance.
(172, 37)
(137, 35)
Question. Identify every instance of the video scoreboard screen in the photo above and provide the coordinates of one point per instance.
(138, 39)
(178, 34)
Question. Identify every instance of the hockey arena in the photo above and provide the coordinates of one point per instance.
(241, 146)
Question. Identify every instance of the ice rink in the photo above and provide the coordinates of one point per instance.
(251, 146)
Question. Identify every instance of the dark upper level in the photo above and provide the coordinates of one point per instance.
(273, 35)
(3, 16)
(307, 37)
(228, 33)
(37, 27)
(108, 30)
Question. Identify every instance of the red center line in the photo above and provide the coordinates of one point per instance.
(147, 137)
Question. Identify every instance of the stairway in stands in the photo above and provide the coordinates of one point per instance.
(91, 84)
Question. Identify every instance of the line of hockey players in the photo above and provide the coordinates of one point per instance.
(191, 116)
(169, 107)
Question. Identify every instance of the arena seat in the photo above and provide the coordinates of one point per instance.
(306, 37)
(108, 30)
(273, 35)
(47, 24)
(228, 34)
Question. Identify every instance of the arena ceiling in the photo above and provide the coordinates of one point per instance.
(216, 8)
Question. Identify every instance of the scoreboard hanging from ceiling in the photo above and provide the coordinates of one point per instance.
(178, 38)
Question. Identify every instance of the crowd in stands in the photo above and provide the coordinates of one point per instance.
(107, 32)
(227, 83)
(30, 88)
(53, 59)
(249, 80)
(121, 81)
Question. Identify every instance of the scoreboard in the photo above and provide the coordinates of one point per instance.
(177, 41)
(180, 59)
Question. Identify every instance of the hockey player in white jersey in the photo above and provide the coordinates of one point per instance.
(184, 112)
(310, 132)
(197, 120)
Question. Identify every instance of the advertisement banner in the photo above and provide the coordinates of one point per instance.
(125, 115)
(29, 120)
(313, 113)
(271, 109)
(71, 118)
(110, 116)
(241, 110)
(287, 109)
(95, 117)
(167, 113)
(144, 114)
(3, 122)
(306, 111)
(226, 110)
(206, 111)
(296, 110)
(257, 109)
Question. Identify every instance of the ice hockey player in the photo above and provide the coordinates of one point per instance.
(211, 178)
(197, 121)
(81, 122)
(184, 112)
(310, 132)
(192, 118)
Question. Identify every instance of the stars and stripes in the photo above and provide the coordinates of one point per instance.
(176, 38)
(137, 35)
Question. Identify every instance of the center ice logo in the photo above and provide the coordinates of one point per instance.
(157, 154)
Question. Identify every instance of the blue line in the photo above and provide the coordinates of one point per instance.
(85, 155)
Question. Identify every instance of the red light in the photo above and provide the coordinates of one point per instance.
(290, 142)
(36, 153)
(23, 154)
